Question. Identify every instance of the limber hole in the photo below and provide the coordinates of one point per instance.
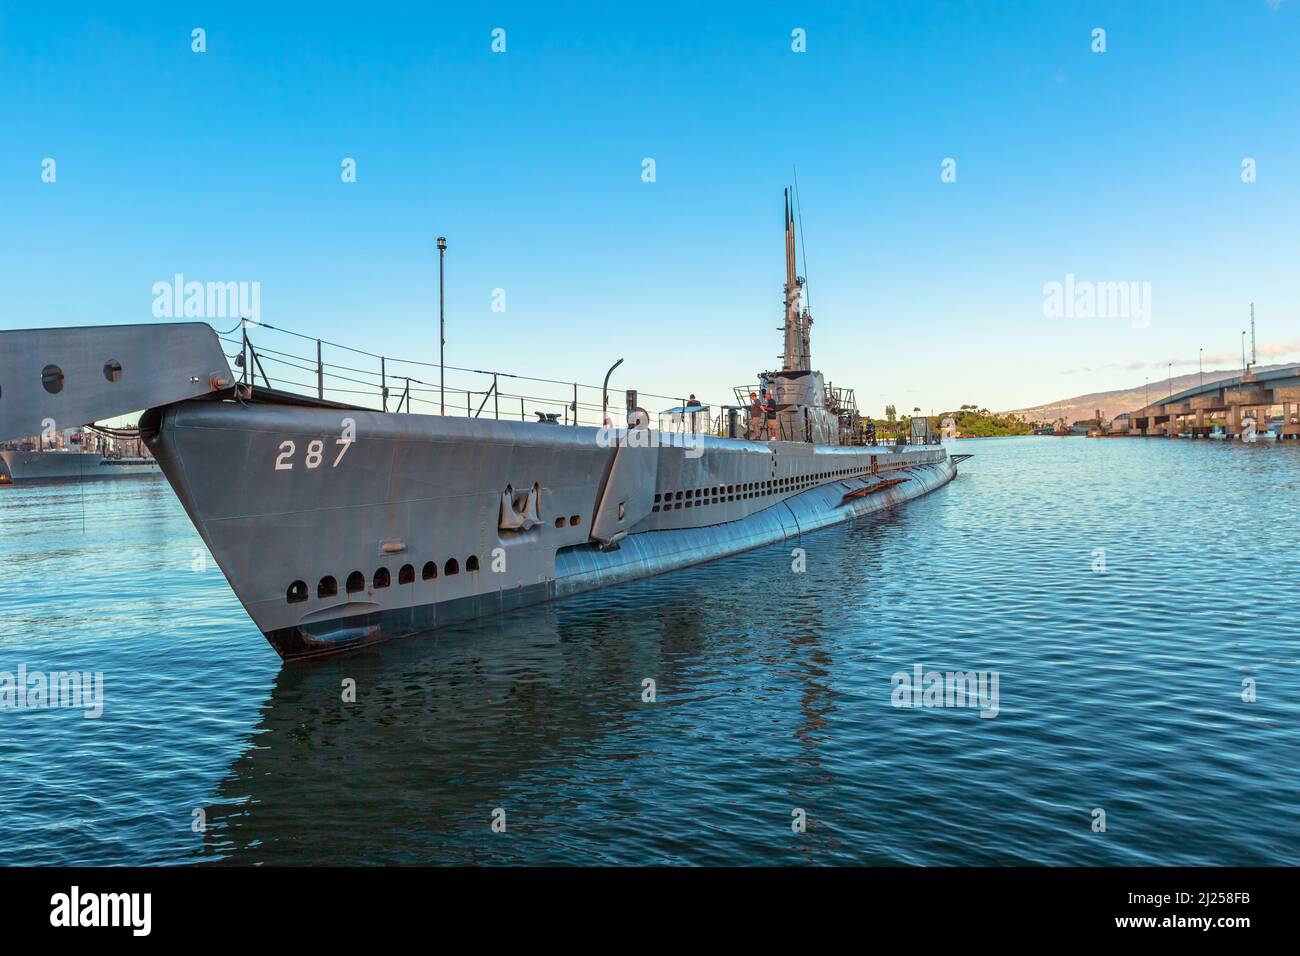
(52, 379)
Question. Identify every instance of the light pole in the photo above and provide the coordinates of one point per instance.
(1200, 364)
(1253, 357)
(604, 393)
(1171, 379)
(442, 333)
(1243, 354)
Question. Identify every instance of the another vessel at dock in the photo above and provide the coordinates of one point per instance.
(23, 465)
(339, 525)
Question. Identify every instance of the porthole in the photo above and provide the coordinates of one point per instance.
(356, 582)
(471, 563)
(430, 571)
(451, 567)
(328, 587)
(560, 522)
(297, 592)
(382, 578)
(52, 379)
(406, 575)
(113, 370)
(575, 520)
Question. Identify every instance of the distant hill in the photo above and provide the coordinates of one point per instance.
(1124, 399)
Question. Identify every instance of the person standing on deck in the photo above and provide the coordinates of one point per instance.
(769, 412)
(693, 402)
(756, 417)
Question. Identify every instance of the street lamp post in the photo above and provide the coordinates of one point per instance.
(604, 393)
(1200, 364)
(442, 332)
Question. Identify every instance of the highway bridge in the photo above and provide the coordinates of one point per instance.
(1194, 412)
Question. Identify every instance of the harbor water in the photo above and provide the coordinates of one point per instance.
(1131, 602)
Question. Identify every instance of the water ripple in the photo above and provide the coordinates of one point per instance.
(1119, 690)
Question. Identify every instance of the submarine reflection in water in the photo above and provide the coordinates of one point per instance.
(514, 712)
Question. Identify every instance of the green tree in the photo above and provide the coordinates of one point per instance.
(979, 422)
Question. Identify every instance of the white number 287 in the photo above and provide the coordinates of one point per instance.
(315, 453)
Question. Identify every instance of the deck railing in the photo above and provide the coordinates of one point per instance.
(386, 383)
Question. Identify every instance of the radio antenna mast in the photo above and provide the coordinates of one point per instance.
(803, 250)
(797, 316)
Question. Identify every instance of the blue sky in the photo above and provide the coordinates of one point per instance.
(1115, 166)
